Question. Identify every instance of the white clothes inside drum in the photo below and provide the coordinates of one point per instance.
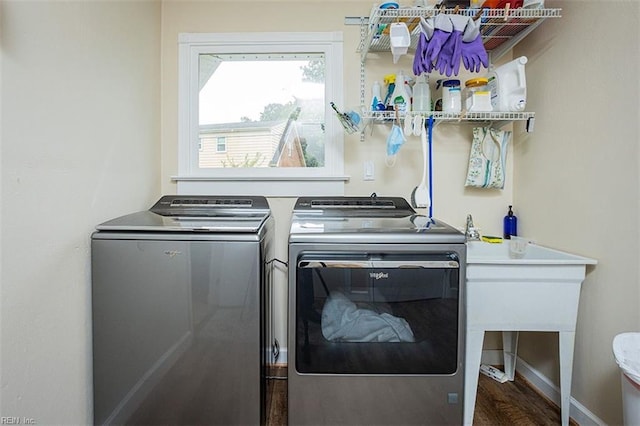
(343, 321)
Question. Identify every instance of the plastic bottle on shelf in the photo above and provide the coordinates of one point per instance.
(508, 86)
(477, 97)
(377, 103)
(421, 94)
(401, 100)
(409, 90)
(390, 81)
(451, 96)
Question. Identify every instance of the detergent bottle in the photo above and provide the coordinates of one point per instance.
(508, 86)
(401, 100)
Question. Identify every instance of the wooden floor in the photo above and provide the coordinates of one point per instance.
(508, 404)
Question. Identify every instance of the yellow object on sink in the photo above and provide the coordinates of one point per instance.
(490, 239)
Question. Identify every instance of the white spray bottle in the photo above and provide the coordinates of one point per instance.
(377, 103)
(401, 100)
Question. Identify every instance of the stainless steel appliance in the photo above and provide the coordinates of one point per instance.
(376, 314)
(180, 321)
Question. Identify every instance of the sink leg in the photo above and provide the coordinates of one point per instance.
(566, 342)
(473, 355)
(509, 352)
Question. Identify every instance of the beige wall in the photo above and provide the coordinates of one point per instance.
(79, 141)
(576, 181)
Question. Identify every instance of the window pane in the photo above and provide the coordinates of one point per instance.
(222, 144)
(267, 110)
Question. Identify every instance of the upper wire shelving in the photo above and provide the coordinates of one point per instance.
(501, 29)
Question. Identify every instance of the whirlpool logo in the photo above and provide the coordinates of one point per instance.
(379, 275)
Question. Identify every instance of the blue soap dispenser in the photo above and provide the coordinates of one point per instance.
(510, 224)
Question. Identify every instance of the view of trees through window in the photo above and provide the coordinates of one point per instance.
(269, 110)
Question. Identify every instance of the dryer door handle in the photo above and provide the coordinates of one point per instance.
(424, 264)
(349, 264)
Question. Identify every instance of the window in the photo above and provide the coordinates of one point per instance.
(221, 145)
(254, 107)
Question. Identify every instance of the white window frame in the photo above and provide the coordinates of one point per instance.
(191, 179)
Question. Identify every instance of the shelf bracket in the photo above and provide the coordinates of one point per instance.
(363, 34)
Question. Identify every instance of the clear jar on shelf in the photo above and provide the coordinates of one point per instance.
(477, 96)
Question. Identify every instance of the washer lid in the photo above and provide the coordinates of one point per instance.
(174, 213)
(210, 205)
(364, 220)
(152, 222)
(348, 230)
(353, 207)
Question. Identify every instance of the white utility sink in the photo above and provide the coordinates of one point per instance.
(538, 292)
(479, 252)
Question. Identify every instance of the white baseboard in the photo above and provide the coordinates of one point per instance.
(578, 412)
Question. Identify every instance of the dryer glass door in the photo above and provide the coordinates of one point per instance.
(377, 313)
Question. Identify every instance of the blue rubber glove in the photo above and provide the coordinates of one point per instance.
(418, 67)
(442, 30)
(451, 54)
(421, 65)
(473, 52)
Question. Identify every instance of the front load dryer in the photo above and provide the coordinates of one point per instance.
(376, 314)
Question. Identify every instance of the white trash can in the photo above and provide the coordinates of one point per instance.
(626, 349)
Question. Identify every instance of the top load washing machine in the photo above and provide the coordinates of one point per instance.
(376, 314)
(180, 323)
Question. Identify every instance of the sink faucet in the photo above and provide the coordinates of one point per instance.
(471, 233)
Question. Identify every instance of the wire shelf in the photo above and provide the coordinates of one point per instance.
(501, 29)
(496, 118)
(465, 115)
